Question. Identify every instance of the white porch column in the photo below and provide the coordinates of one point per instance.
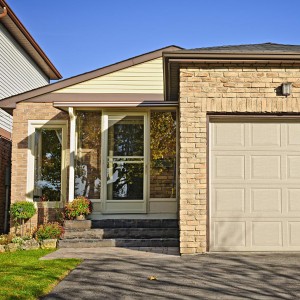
(72, 153)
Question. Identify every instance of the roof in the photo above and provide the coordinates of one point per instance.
(23, 37)
(43, 94)
(258, 48)
(265, 53)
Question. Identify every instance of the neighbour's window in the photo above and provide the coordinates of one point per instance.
(88, 158)
(163, 154)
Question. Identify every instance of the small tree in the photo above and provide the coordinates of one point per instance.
(22, 210)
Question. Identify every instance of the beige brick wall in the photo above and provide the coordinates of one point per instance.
(219, 88)
(26, 111)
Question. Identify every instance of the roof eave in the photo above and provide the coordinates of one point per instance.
(10, 102)
(232, 55)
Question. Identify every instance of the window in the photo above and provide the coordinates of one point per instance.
(88, 158)
(46, 161)
(163, 154)
(125, 158)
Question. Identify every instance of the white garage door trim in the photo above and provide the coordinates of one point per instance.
(254, 184)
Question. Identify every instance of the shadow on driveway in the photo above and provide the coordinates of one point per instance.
(123, 274)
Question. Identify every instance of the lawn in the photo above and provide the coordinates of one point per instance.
(24, 276)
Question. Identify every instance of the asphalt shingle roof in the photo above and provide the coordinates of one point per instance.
(263, 48)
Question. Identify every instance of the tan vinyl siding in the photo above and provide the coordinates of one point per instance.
(18, 72)
(143, 78)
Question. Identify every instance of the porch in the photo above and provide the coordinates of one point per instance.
(122, 159)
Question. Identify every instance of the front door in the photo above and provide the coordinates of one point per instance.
(124, 176)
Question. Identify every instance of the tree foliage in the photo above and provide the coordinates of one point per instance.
(163, 139)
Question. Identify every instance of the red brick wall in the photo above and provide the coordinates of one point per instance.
(5, 161)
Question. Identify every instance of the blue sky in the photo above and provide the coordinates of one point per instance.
(79, 36)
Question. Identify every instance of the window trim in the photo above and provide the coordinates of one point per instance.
(49, 124)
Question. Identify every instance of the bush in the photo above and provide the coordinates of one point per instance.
(79, 206)
(49, 231)
(22, 210)
(17, 240)
(5, 239)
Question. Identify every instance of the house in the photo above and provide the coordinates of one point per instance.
(24, 66)
(208, 137)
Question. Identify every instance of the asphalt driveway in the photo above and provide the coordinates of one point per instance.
(115, 273)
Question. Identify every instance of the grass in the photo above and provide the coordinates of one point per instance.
(24, 276)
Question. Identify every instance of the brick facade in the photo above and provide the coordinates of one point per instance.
(5, 161)
(218, 88)
(24, 112)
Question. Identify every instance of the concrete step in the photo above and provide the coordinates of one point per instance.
(95, 243)
(85, 243)
(135, 223)
(84, 234)
(129, 233)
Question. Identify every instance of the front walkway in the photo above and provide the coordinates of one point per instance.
(117, 273)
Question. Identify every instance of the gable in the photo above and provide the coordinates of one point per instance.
(146, 77)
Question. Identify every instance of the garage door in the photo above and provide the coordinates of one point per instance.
(254, 185)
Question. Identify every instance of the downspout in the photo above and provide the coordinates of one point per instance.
(7, 199)
(72, 153)
(4, 13)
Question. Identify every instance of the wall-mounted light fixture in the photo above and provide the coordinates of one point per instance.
(286, 88)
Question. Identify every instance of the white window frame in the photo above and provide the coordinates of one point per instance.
(46, 124)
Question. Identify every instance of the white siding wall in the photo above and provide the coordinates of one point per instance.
(146, 77)
(18, 72)
(5, 121)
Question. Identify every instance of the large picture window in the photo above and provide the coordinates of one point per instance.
(46, 171)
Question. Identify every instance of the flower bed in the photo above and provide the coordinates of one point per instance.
(44, 237)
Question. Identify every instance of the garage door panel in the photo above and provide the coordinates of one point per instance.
(229, 200)
(294, 234)
(229, 134)
(266, 200)
(268, 135)
(230, 234)
(293, 167)
(265, 166)
(294, 201)
(293, 134)
(229, 167)
(255, 187)
(266, 233)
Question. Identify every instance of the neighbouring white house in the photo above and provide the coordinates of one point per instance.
(23, 67)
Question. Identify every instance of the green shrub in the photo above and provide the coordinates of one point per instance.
(22, 210)
(17, 240)
(49, 231)
(79, 206)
